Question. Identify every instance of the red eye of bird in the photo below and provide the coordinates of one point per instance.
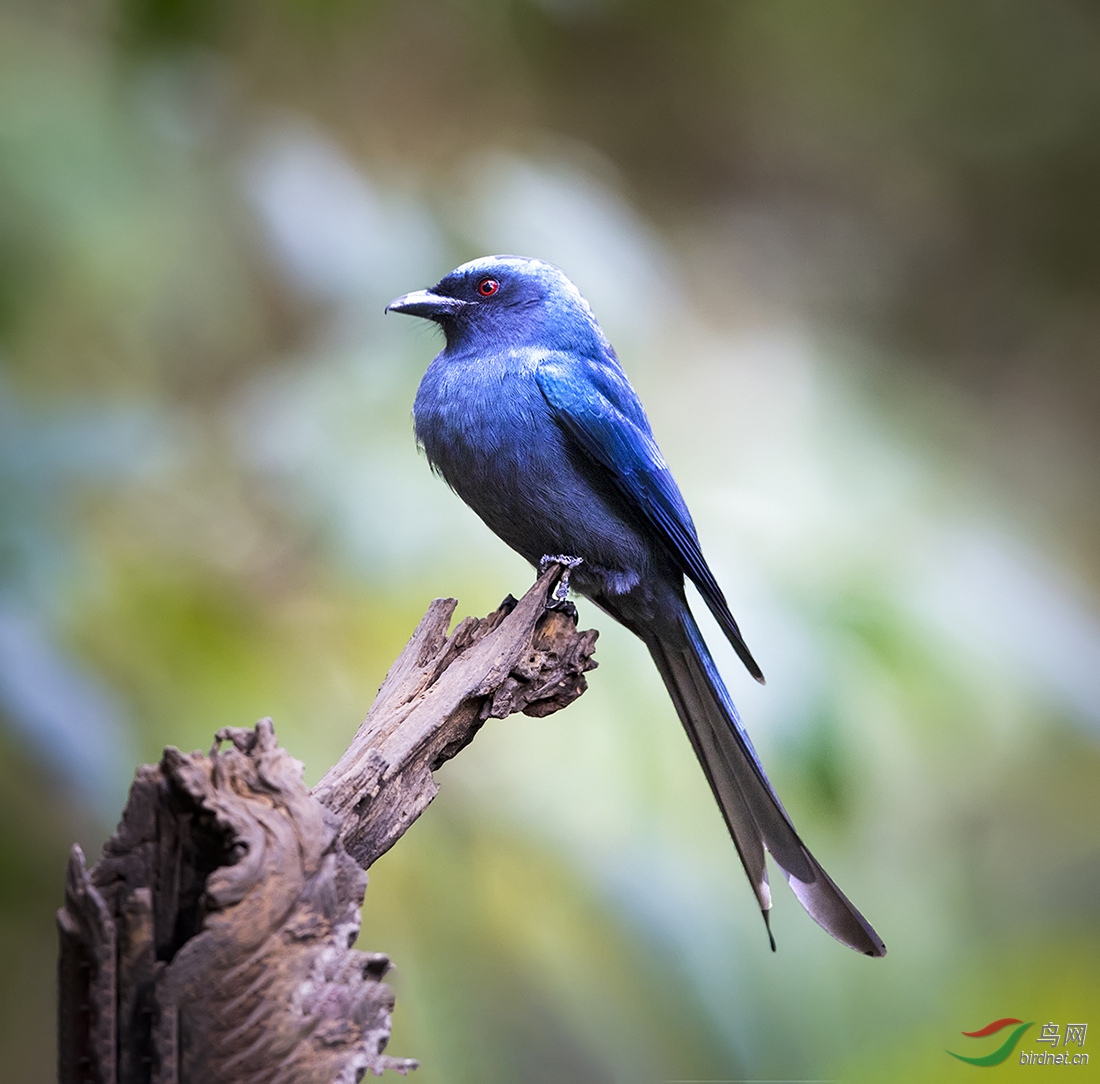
(488, 287)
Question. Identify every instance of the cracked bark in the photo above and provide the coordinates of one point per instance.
(212, 940)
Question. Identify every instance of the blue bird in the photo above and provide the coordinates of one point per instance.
(530, 419)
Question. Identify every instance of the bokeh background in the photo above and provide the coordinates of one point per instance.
(849, 254)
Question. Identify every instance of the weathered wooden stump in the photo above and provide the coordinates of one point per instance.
(211, 942)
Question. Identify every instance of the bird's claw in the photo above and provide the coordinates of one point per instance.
(570, 563)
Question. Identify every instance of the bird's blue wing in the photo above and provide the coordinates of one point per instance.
(598, 410)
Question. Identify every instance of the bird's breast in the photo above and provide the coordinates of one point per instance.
(479, 421)
(487, 428)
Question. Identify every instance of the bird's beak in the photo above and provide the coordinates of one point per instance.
(425, 303)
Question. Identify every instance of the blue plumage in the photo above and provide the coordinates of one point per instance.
(529, 417)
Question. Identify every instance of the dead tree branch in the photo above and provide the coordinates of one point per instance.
(210, 944)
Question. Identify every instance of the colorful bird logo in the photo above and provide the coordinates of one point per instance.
(1002, 1052)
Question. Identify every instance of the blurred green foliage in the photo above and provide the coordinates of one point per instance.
(848, 254)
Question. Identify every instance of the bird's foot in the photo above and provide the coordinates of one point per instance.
(570, 563)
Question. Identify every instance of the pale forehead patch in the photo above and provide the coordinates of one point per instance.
(519, 263)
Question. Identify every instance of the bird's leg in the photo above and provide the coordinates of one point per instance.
(570, 563)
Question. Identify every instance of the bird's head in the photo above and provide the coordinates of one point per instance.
(507, 301)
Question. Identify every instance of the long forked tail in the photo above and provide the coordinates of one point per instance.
(752, 811)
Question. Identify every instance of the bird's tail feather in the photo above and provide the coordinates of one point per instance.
(752, 810)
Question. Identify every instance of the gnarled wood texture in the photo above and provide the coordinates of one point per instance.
(211, 942)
